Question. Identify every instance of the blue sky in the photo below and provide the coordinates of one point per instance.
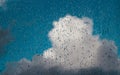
(29, 22)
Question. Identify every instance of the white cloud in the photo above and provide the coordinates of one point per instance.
(73, 41)
(74, 47)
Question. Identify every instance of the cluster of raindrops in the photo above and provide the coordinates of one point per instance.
(75, 47)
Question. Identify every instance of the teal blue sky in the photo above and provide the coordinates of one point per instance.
(29, 22)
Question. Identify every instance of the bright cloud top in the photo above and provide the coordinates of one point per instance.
(74, 47)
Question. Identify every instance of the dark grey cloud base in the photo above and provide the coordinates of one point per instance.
(57, 71)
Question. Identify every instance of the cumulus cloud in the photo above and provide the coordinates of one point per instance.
(75, 51)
